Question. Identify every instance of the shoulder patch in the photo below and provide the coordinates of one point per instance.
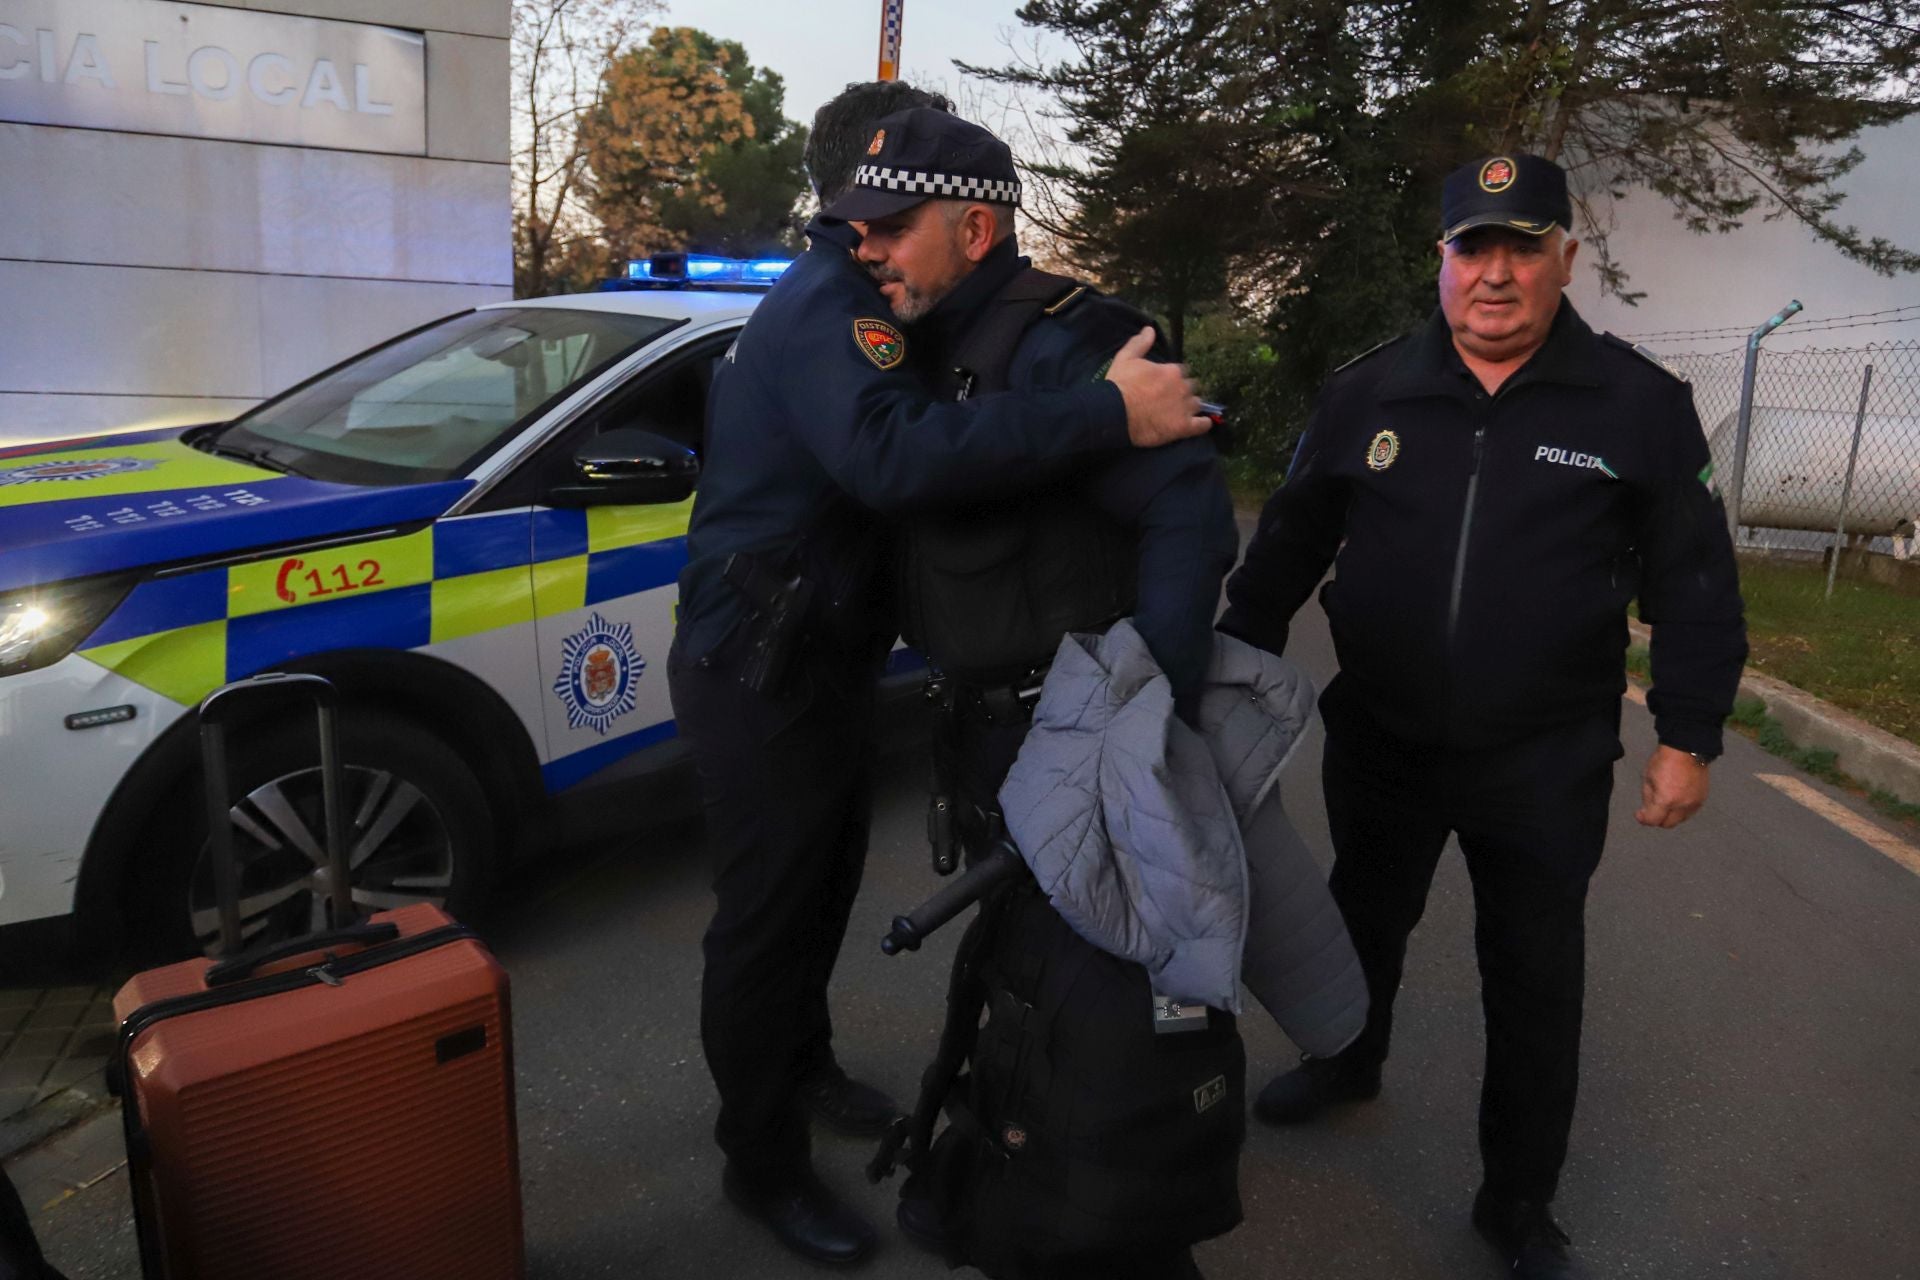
(880, 342)
(1374, 350)
(1647, 354)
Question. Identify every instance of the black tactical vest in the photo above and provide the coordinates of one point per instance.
(987, 589)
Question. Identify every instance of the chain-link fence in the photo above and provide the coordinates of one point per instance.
(1811, 430)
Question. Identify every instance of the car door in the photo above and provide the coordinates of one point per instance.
(605, 579)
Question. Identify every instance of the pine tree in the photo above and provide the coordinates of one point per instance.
(1286, 157)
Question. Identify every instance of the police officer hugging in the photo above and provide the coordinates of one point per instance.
(1081, 1140)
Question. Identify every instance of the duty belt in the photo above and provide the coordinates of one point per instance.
(1011, 703)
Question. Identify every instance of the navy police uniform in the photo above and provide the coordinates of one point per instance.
(1172, 503)
(814, 425)
(1485, 548)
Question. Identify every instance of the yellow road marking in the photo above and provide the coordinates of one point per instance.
(1846, 819)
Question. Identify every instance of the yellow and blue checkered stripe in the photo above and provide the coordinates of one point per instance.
(183, 636)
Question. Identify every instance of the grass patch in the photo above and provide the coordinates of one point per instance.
(1639, 662)
(1750, 718)
(1859, 650)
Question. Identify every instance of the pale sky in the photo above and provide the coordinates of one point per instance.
(821, 45)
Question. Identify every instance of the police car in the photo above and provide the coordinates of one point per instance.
(473, 529)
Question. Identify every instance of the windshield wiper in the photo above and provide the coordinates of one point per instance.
(254, 457)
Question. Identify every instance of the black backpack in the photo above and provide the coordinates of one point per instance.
(1074, 1129)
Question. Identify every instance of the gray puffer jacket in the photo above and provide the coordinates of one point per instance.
(1169, 847)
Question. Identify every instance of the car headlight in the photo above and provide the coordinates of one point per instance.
(41, 625)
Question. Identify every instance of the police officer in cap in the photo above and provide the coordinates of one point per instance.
(1491, 491)
(988, 588)
(815, 428)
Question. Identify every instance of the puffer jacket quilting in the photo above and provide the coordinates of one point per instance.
(1168, 846)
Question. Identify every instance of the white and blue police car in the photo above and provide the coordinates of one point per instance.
(473, 529)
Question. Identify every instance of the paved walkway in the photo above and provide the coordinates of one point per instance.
(51, 1038)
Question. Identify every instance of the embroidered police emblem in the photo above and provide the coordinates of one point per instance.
(879, 140)
(599, 670)
(880, 342)
(1383, 450)
(1496, 175)
(75, 469)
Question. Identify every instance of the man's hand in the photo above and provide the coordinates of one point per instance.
(1674, 788)
(1162, 403)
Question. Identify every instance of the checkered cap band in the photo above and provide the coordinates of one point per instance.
(952, 186)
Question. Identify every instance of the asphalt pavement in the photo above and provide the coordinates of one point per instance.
(1750, 1101)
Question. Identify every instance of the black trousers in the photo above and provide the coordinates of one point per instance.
(786, 786)
(20, 1256)
(1532, 819)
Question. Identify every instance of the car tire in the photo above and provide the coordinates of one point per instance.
(417, 820)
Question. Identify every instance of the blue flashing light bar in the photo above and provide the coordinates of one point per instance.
(668, 270)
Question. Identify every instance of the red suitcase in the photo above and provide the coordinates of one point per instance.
(340, 1105)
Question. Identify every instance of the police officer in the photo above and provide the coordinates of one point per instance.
(1491, 491)
(988, 588)
(814, 425)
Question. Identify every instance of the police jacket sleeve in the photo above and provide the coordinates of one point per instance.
(1689, 589)
(1297, 537)
(893, 449)
(1176, 501)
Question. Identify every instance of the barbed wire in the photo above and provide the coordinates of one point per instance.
(1857, 320)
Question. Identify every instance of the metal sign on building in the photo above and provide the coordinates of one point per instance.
(202, 71)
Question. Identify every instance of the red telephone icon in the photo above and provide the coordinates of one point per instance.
(287, 569)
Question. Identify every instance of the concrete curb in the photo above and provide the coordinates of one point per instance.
(51, 1115)
(1871, 755)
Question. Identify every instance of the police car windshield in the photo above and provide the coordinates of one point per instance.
(430, 405)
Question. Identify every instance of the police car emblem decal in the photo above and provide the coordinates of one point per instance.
(879, 140)
(599, 669)
(1496, 175)
(881, 342)
(1383, 450)
(75, 469)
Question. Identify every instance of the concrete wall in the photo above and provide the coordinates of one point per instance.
(1741, 278)
(160, 276)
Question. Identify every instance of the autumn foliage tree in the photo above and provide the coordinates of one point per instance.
(687, 146)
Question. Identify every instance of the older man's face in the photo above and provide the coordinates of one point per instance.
(916, 257)
(1500, 288)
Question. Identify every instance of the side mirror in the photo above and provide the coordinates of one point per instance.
(628, 467)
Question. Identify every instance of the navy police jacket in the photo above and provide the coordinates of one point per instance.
(1485, 547)
(1174, 499)
(816, 427)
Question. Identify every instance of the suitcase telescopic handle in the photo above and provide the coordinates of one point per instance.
(216, 710)
(244, 964)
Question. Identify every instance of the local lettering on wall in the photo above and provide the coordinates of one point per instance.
(155, 66)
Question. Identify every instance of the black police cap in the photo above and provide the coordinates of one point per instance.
(926, 154)
(1526, 193)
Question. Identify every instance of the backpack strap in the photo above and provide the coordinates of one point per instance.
(986, 353)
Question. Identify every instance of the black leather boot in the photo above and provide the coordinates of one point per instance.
(846, 1106)
(1313, 1086)
(803, 1214)
(1531, 1244)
